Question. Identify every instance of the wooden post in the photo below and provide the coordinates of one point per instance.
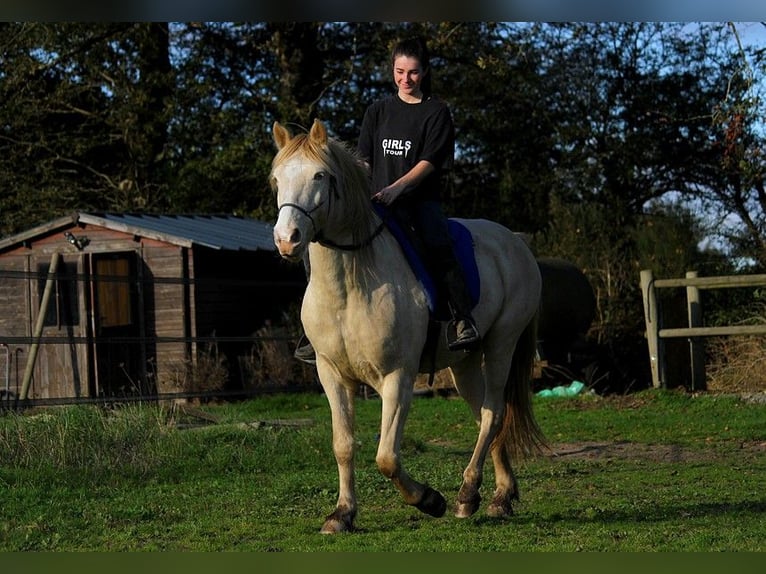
(651, 316)
(39, 326)
(696, 344)
(143, 375)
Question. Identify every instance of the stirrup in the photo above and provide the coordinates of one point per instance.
(304, 351)
(468, 338)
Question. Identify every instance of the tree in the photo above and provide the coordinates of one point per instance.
(612, 129)
(235, 80)
(220, 145)
(632, 106)
(65, 144)
(503, 166)
(739, 200)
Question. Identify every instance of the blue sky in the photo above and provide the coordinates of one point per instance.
(752, 33)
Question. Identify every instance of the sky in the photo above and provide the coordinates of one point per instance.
(753, 33)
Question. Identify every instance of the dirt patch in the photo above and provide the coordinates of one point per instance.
(639, 451)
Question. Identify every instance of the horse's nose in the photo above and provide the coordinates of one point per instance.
(288, 237)
(287, 241)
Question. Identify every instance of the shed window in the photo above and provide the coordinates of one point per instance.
(63, 308)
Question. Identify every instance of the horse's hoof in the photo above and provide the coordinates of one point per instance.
(468, 500)
(496, 510)
(338, 522)
(466, 509)
(501, 507)
(432, 503)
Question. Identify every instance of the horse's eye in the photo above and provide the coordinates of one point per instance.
(320, 175)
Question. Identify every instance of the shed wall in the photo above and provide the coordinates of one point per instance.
(68, 367)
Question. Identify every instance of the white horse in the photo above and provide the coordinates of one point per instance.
(367, 315)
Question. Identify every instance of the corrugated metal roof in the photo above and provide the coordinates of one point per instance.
(224, 232)
(214, 231)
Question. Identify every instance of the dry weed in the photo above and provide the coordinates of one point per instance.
(271, 361)
(737, 364)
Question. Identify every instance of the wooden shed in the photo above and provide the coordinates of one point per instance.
(109, 305)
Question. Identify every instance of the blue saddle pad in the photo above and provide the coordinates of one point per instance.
(463, 242)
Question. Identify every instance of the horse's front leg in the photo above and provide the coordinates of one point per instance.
(341, 400)
(396, 401)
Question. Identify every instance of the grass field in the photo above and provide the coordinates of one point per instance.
(651, 471)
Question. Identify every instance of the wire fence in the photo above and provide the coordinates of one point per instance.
(121, 338)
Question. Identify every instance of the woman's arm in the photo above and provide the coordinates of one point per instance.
(407, 182)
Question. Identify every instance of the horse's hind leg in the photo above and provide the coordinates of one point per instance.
(483, 390)
(469, 381)
(396, 399)
(506, 487)
(341, 401)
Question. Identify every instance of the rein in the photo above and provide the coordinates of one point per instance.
(353, 246)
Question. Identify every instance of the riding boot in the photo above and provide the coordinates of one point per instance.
(304, 351)
(459, 299)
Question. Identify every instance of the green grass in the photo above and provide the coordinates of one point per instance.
(676, 472)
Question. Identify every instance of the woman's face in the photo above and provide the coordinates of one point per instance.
(408, 75)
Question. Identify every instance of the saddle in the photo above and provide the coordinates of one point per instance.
(464, 252)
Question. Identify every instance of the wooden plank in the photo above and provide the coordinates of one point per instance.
(655, 334)
(13, 294)
(722, 282)
(33, 233)
(713, 331)
(49, 284)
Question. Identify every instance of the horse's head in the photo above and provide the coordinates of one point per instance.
(301, 178)
(323, 193)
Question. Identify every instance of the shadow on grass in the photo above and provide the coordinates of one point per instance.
(656, 513)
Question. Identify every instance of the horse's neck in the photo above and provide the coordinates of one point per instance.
(341, 273)
(332, 271)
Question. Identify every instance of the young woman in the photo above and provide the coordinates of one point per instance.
(408, 140)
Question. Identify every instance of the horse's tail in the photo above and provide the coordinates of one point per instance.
(519, 433)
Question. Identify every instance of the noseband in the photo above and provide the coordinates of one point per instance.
(304, 211)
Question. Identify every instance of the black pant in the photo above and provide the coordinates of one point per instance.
(426, 225)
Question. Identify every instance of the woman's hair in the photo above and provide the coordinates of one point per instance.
(415, 47)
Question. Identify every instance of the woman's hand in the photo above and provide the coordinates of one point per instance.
(388, 194)
(409, 181)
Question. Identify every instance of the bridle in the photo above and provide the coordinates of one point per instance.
(317, 232)
(304, 211)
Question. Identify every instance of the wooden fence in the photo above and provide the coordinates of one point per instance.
(655, 333)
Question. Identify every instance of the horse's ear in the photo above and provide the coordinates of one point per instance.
(318, 133)
(281, 135)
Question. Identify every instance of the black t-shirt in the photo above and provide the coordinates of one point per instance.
(396, 135)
